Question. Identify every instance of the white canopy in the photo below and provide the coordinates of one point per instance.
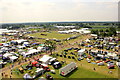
(99, 55)
(26, 43)
(40, 48)
(87, 40)
(27, 76)
(33, 51)
(52, 59)
(81, 52)
(7, 55)
(39, 69)
(20, 47)
(12, 58)
(19, 41)
(45, 59)
(112, 54)
(94, 35)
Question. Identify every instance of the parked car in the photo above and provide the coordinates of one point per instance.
(49, 77)
(111, 67)
(79, 59)
(89, 57)
(57, 65)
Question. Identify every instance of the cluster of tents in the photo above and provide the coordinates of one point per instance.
(42, 66)
(82, 31)
(10, 51)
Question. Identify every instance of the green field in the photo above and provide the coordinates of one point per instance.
(99, 26)
(84, 71)
(33, 29)
(51, 35)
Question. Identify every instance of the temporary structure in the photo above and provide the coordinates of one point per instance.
(13, 58)
(67, 69)
(81, 52)
(34, 63)
(111, 54)
(27, 76)
(7, 55)
(39, 72)
(40, 48)
(19, 41)
(94, 35)
(45, 59)
(87, 40)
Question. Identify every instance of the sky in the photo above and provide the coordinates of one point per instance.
(17, 11)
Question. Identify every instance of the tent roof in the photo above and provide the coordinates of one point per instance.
(82, 50)
(35, 62)
(13, 57)
(7, 54)
(45, 58)
(41, 45)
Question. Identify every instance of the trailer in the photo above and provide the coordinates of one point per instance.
(39, 72)
(67, 69)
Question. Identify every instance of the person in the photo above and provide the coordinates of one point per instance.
(12, 65)
(110, 72)
(10, 76)
(2, 74)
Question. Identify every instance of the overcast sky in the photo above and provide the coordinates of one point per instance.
(14, 11)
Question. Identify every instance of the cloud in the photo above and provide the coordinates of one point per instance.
(52, 10)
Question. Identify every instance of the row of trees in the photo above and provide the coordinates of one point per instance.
(12, 26)
(105, 32)
(50, 25)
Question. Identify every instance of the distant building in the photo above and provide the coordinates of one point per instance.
(65, 26)
(33, 27)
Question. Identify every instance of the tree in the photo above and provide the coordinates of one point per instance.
(101, 30)
(51, 45)
(107, 30)
(95, 31)
(112, 31)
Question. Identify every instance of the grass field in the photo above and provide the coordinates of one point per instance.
(84, 71)
(99, 26)
(33, 29)
(51, 35)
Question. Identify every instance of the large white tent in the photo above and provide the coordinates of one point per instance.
(65, 26)
(12, 58)
(3, 30)
(7, 55)
(81, 52)
(45, 59)
(82, 31)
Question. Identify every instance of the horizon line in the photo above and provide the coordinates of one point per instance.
(55, 22)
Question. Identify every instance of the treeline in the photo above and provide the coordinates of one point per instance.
(105, 32)
(12, 26)
(52, 24)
